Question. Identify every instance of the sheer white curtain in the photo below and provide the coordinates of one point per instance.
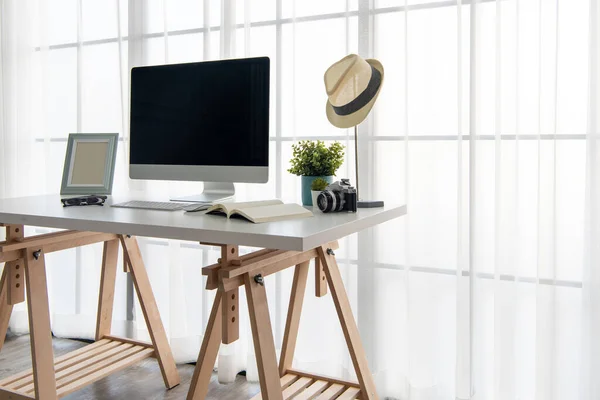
(591, 276)
(487, 127)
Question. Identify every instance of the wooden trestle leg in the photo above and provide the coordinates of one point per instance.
(12, 288)
(150, 311)
(293, 318)
(349, 327)
(106, 298)
(208, 352)
(5, 308)
(40, 334)
(262, 335)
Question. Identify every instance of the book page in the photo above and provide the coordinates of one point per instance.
(227, 208)
(220, 209)
(231, 207)
(272, 213)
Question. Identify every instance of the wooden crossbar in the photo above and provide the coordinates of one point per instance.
(79, 241)
(322, 377)
(63, 242)
(9, 256)
(212, 271)
(257, 263)
(275, 265)
(13, 395)
(208, 270)
(44, 239)
(141, 343)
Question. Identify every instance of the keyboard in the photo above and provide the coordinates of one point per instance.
(152, 205)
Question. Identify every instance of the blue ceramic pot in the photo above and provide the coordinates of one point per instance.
(306, 182)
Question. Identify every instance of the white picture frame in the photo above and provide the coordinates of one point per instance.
(89, 164)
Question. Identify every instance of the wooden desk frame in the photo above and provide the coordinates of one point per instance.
(278, 382)
(55, 378)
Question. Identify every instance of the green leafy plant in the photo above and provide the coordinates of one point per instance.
(318, 185)
(313, 158)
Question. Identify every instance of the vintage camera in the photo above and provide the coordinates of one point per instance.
(339, 196)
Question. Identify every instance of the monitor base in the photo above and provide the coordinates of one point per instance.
(213, 192)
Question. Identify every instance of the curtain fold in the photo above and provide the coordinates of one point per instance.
(590, 387)
(487, 128)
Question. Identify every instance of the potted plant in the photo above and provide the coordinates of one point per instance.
(316, 187)
(312, 160)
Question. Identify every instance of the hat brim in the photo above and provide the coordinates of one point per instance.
(350, 120)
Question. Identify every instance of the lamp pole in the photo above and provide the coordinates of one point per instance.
(356, 159)
(362, 203)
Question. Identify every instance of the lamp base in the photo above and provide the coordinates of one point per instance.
(369, 203)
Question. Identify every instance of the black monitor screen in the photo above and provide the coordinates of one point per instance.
(208, 113)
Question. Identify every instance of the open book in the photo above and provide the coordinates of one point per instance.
(261, 211)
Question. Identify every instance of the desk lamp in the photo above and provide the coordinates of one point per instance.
(352, 86)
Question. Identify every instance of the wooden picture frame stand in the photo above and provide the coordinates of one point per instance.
(52, 378)
(278, 381)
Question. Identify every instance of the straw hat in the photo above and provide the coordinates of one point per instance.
(352, 86)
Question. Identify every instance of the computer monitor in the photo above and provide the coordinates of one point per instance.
(204, 121)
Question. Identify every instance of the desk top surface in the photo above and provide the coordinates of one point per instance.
(299, 234)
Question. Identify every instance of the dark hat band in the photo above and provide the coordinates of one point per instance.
(362, 99)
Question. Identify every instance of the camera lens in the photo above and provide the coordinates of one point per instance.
(329, 201)
(325, 201)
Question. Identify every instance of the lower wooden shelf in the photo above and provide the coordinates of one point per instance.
(300, 385)
(81, 367)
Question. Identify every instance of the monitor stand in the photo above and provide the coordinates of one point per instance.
(213, 191)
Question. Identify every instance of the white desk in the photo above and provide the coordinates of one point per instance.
(286, 244)
(302, 234)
